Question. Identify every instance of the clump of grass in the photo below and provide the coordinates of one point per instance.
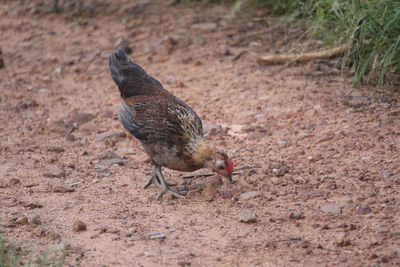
(10, 256)
(371, 28)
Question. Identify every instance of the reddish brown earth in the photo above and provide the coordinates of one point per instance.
(322, 156)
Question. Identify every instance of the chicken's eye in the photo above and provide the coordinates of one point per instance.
(221, 167)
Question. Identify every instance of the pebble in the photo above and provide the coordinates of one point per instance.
(363, 210)
(227, 194)
(62, 189)
(296, 215)
(212, 128)
(109, 134)
(14, 181)
(55, 149)
(209, 192)
(281, 171)
(158, 236)
(39, 231)
(282, 143)
(256, 135)
(341, 239)
(107, 162)
(247, 216)
(69, 137)
(34, 205)
(331, 208)
(23, 220)
(205, 26)
(384, 174)
(36, 220)
(79, 226)
(249, 195)
(80, 118)
(54, 172)
(55, 236)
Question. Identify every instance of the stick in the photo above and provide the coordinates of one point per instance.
(276, 59)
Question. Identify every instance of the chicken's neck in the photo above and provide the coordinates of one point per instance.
(203, 153)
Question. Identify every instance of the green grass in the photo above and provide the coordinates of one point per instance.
(371, 28)
(10, 256)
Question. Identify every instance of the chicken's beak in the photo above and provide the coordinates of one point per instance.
(229, 176)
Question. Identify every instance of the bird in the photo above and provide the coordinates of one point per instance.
(169, 130)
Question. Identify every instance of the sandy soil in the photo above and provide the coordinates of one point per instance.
(318, 166)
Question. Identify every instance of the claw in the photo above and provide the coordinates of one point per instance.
(169, 191)
(152, 180)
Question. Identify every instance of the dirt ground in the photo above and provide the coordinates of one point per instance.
(318, 166)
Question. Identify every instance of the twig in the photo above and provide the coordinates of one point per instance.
(92, 183)
(276, 59)
(211, 174)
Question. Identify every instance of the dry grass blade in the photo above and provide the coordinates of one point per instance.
(283, 58)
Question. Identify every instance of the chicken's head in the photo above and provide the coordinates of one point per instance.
(221, 164)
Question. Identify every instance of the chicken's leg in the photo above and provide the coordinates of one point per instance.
(164, 184)
(155, 180)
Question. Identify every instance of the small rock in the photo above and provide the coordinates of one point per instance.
(58, 71)
(282, 143)
(248, 128)
(384, 174)
(249, 195)
(70, 137)
(54, 172)
(256, 135)
(109, 134)
(167, 197)
(23, 220)
(209, 191)
(110, 155)
(36, 220)
(331, 208)
(58, 127)
(55, 236)
(157, 236)
(14, 181)
(205, 26)
(227, 194)
(247, 216)
(281, 171)
(55, 149)
(363, 210)
(39, 231)
(77, 118)
(26, 104)
(62, 189)
(384, 259)
(296, 215)
(107, 162)
(341, 239)
(79, 226)
(212, 129)
(34, 205)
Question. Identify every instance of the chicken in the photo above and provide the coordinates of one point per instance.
(169, 130)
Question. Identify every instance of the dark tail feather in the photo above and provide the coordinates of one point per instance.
(131, 78)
